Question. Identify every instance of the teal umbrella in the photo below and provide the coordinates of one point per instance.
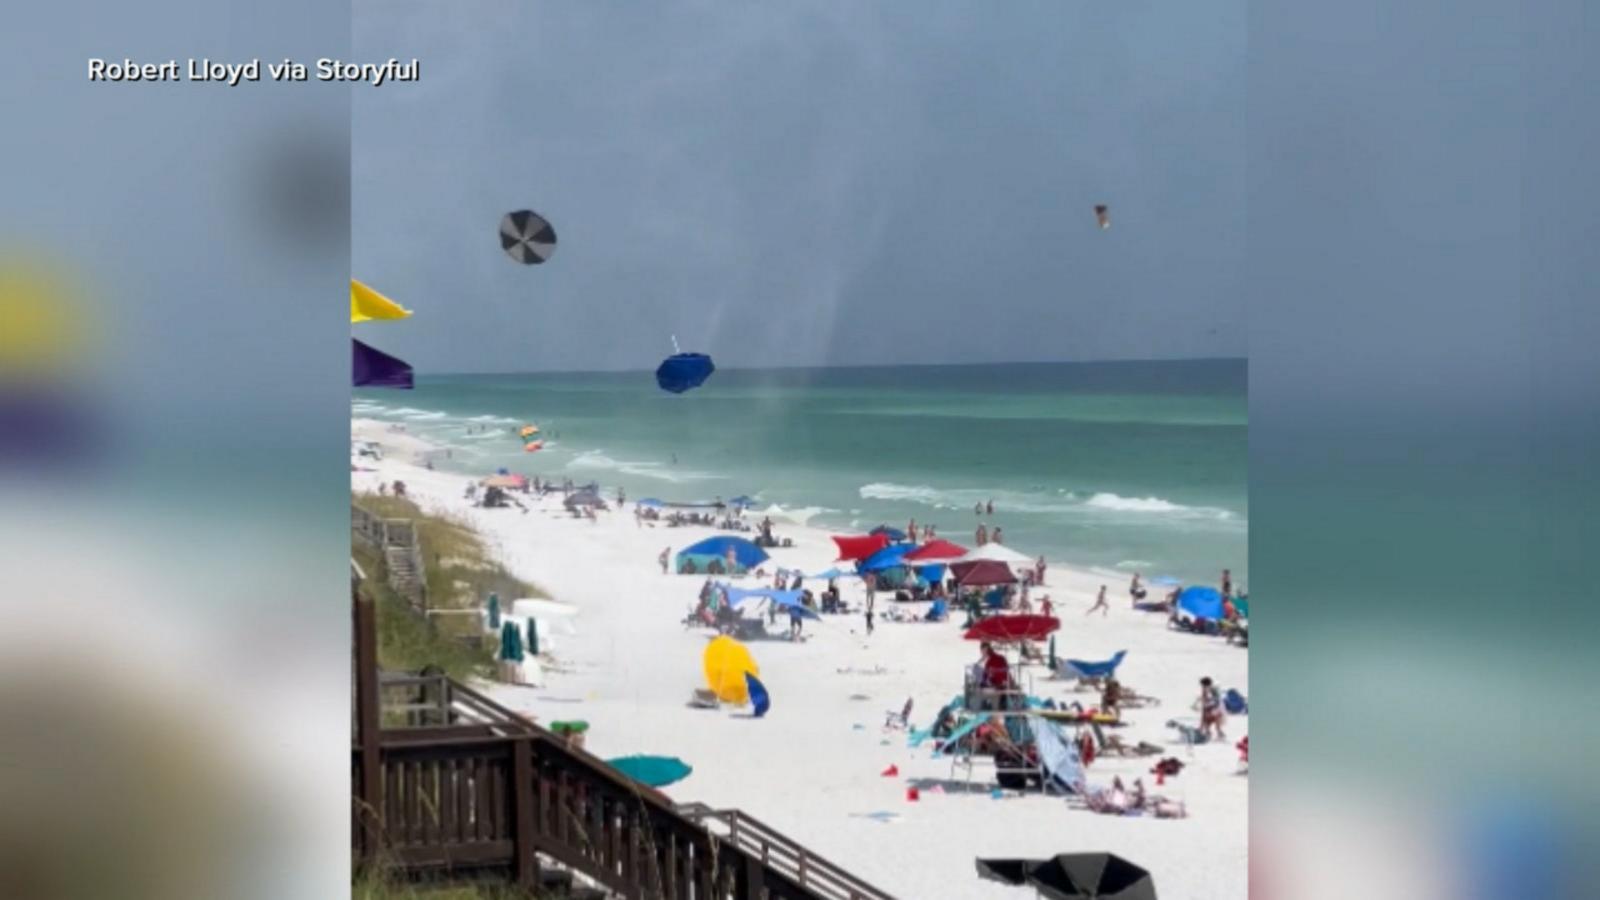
(494, 610)
(511, 643)
(655, 771)
(533, 637)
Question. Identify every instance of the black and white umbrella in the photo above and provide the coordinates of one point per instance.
(527, 237)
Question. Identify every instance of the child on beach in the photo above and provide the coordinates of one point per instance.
(665, 554)
(1100, 604)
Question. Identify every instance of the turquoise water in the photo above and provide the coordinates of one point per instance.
(1122, 466)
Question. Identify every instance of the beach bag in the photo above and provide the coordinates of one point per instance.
(1234, 703)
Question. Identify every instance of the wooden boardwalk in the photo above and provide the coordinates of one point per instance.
(448, 784)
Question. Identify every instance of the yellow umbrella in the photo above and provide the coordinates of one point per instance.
(726, 662)
(366, 304)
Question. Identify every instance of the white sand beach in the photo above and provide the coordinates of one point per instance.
(812, 766)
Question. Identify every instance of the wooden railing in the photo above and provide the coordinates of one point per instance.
(460, 786)
(773, 849)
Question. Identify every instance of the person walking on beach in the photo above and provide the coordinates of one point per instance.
(1100, 604)
(665, 555)
(1136, 590)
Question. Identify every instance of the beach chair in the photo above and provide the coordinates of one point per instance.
(704, 699)
(901, 719)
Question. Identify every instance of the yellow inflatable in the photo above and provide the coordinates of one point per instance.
(726, 662)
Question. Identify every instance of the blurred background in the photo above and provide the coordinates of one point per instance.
(174, 408)
(174, 377)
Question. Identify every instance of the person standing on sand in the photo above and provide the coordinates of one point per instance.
(1038, 571)
(1136, 590)
(665, 555)
(1100, 604)
(1211, 709)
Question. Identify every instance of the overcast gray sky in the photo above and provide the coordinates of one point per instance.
(808, 183)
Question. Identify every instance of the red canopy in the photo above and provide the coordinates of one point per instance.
(983, 573)
(858, 547)
(1002, 629)
(936, 551)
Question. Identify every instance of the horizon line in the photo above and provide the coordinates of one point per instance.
(797, 368)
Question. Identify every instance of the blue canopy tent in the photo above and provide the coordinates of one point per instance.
(1084, 669)
(893, 571)
(889, 557)
(788, 600)
(742, 501)
(715, 553)
(1201, 602)
(893, 534)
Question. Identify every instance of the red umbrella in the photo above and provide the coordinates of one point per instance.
(1004, 629)
(856, 547)
(983, 573)
(939, 550)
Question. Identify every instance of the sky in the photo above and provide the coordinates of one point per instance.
(811, 183)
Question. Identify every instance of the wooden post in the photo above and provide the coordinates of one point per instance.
(368, 734)
(526, 859)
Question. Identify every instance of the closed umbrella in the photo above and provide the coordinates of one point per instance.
(494, 610)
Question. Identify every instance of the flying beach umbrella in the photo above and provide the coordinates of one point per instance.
(527, 237)
(374, 368)
(681, 372)
(1102, 215)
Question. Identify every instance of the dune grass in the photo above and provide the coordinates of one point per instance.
(459, 572)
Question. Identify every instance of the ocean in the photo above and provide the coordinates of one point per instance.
(1122, 467)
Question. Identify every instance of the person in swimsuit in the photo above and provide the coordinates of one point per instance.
(1100, 604)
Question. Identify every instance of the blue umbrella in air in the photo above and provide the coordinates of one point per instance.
(683, 371)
